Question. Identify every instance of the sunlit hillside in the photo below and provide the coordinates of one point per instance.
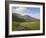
(25, 22)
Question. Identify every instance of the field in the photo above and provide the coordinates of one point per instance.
(20, 24)
(25, 26)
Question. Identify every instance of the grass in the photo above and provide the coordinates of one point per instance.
(24, 24)
(29, 25)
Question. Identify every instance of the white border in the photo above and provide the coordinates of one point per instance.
(25, 32)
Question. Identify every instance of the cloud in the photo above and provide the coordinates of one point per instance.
(21, 10)
(34, 15)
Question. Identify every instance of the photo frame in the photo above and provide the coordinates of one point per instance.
(17, 12)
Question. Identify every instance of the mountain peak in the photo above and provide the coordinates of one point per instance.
(26, 15)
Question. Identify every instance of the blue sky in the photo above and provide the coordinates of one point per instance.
(31, 11)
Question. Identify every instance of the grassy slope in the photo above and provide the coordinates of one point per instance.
(31, 25)
(18, 24)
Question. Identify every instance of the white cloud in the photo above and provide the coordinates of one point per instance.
(34, 15)
(21, 10)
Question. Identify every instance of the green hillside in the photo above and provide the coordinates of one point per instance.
(19, 24)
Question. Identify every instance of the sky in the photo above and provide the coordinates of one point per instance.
(31, 11)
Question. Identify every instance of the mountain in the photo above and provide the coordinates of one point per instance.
(18, 17)
(28, 17)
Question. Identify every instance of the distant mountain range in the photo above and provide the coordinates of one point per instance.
(25, 17)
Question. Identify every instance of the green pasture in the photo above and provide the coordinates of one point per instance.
(35, 25)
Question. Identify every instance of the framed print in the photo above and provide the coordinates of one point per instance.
(24, 18)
